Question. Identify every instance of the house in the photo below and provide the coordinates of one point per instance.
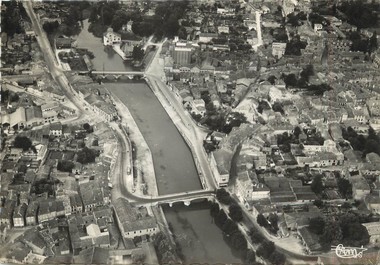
(310, 240)
(49, 210)
(248, 190)
(373, 229)
(34, 240)
(360, 188)
(129, 41)
(220, 163)
(63, 43)
(31, 213)
(372, 202)
(76, 204)
(110, 37)
(19, 215)
(99, 106)
(133, 222)
(199, 105)
(92, 195)
(207, 37)
(33, 116)
(278, 49)
(223, 29)
(372, 167)
(6, 214)
(50, 116)
(55, 129)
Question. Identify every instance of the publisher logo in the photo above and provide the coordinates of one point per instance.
(348, 252)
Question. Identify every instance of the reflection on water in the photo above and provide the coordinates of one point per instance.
(200, 239)
(105, 58)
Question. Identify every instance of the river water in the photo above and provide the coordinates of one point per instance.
(201, 241)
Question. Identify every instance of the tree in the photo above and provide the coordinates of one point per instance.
(235, 212)
(230, 227)
(317, 225)
(317, 185)
(290, 80)
(214, 209)
(95, 142)
(273, 219)
(234, 119)
(344, 187)
(261, 220)
(277, 258)
(50, 27)
(319, 203)
(332, 234)
(277, 107)
(65, 166)
(221, 218)
(256, 236)
(22, 142)
(223, 196)
(87, 127)
(307, 72)
(272, 79)
(11, 18)
(250, 257)
(138, 257)
(297, 132)
(266, 249)
(86, 155)
(239, 242)
(137, 53)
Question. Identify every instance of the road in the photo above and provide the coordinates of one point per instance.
(55, 70)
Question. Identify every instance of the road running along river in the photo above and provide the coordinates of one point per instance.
(200, 239)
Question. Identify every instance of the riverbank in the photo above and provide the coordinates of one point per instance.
(144, 157)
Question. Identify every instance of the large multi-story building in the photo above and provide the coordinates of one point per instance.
(182, 54)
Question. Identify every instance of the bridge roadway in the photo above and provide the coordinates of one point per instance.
(176, 197)
(112, 72)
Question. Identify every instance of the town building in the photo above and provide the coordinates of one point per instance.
(278, 49)
(19, 215)
(133, 222)
(110, 38)
(182, 54)
(55, 129)
(373, 229)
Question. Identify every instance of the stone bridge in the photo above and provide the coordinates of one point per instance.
(184, 197)
(114, 74)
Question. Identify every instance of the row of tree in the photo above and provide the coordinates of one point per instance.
(266, 249)
(233, 236)
(166, 252)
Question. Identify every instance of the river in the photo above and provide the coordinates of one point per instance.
(201, 241)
